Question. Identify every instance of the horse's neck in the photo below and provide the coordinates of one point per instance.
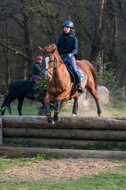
(61, 74)
(61, 70)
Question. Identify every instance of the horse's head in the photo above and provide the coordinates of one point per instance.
(50, 61)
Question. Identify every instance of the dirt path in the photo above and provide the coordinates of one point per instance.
(60, 169)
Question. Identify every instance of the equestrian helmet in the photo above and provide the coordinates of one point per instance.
(69, 24)
(39, 57)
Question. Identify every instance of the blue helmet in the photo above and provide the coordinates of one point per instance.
(68, 23)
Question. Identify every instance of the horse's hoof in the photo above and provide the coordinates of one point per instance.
(56, 118)
(50, 121)
(73, 115)
(100, 114)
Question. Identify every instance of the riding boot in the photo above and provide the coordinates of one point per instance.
(78, 82)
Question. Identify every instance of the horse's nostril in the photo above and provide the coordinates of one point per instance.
(49, 78)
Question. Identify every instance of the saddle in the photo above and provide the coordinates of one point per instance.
(70, 69)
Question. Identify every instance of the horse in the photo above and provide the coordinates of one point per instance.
(19, 89)
(59, 83)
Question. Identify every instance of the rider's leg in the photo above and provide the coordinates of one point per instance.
(78, 82)
(72, 62)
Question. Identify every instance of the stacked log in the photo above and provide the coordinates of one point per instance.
(76, 132)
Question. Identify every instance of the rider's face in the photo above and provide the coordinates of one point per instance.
(40, 61)
(66, 29)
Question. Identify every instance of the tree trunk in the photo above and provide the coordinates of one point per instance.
(29, 51)
(96, 52)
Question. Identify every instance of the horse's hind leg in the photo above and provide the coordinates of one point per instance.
(94, 93)
(20, 103)
(6, 103)
(75, 107)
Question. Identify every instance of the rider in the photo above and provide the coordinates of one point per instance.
(67, 46)
(37, 69)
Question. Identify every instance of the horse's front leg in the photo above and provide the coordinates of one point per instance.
(63, 96)
(47, 99)
(56, 112)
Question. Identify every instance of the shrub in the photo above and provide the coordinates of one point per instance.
(108, 79)
(2, 109)
(40, 88)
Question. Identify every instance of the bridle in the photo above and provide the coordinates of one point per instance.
(54, 64)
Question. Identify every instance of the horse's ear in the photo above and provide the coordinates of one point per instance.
(41, 49)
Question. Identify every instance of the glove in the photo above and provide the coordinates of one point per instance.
(70, 55)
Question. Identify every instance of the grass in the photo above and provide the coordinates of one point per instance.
(107, 111)
(30, 109)
(104, 181)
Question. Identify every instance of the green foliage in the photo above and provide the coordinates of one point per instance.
(113, 146)
(2, 95)
(19, 143)
(40, 88)
(108, 79)
(2, 109)
(44, 157)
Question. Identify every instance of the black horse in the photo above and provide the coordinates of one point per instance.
(19, 89)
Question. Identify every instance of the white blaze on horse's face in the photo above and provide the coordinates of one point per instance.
(46, 61)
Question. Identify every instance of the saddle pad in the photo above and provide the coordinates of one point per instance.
(82, 77)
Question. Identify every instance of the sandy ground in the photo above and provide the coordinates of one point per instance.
(59, 169)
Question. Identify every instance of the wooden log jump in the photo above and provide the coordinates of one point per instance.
(77, 132)
(61, 153)
(66, 122)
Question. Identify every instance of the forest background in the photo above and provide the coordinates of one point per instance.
(100, 26)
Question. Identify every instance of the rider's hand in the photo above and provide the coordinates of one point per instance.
(70, 55)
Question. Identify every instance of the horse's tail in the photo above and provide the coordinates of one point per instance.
(93, 71)
(6, 103)
(5, 100)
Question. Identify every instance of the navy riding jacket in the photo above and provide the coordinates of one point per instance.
(36, 69)
(67, 43)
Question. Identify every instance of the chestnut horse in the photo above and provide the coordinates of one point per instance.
(59, 82)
